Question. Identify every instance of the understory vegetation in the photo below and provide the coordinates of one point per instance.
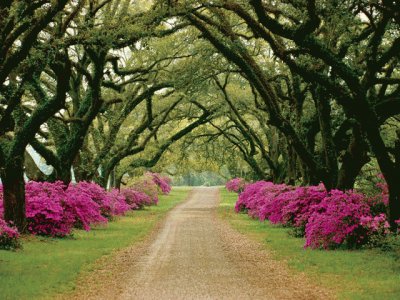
(350, 274)
(48, 266)
(327, 219)
(54, 209)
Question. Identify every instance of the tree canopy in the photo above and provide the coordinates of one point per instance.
(300, 92)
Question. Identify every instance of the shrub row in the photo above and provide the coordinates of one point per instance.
(327, 219)
(235, 185)
(54, 209)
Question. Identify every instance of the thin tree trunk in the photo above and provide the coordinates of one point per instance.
(353, 161)
(394, 203)
(118, 182)
(14, 193)
(330, 177)
(64, 174)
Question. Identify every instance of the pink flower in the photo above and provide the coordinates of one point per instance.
(235, 185)
(52, 209)
(9, 236)
(326, 219)
(163, 182)
(136, 199)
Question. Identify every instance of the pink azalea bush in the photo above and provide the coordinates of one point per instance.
(44, 209)
(119, 205)
(9, 236)
(97, 194)
(337, 221)
(145, 190)
(54, 209)
(297, 211)
(278, 198)
(80, 205)
(163, 182)
(111, 203)
(146, 185)
(136, 199)
(257, 198)
(235, 185)
(327, 220)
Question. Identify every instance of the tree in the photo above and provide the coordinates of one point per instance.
(312, 39)
(25, 50)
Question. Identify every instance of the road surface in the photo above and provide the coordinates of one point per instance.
(194, 255)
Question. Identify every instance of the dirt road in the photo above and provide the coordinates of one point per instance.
(196, 256)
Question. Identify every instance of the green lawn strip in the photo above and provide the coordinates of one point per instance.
(358, 274)
(48, 266)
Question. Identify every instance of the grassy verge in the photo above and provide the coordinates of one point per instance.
(359, 274)
(47, 266)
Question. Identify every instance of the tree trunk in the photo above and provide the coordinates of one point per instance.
(14, 193)
(118, 182)
(112, 179)
(64, 174)
(82, 169)
(370, 125)
(353, 160)
(330, 177)
(291, 166)
(394, 189)
(394, 202)
(102, 179)
(259, 173)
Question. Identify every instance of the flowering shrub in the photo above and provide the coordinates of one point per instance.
(110, 203)
(326, 219)
(9, 237)
(98, 195)
(146, 185)
(377, 228)
(136, 199)
(44, 210)
(119, 206)
(258, 198)
(251, 196)
(272, 209)
(337, 220)
(163, 182)
(235, 185)
(80, 205)
(299, 209)
(53, 209)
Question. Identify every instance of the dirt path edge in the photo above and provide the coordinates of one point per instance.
(111, 272)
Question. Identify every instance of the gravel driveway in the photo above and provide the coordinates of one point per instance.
(193, 255)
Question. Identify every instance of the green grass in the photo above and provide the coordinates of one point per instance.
(49, 266)
(358, 274)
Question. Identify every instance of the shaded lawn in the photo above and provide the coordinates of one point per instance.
(47, 266)
(357, 274)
